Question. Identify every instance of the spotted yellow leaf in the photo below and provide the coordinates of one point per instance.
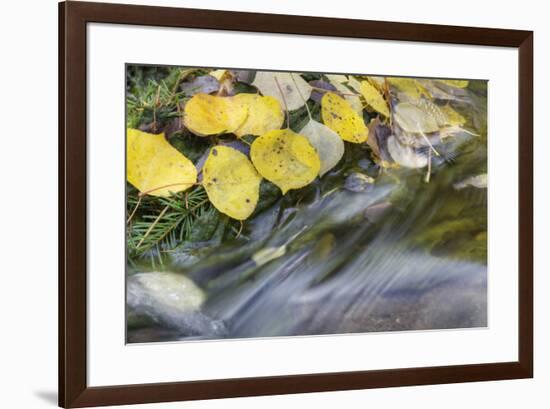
(154, 166)
(264, 114)
(231, 182)
(285, 158)
(295, 91)
(211, 115)
(339, 116)
(374, 98)
(338, 82)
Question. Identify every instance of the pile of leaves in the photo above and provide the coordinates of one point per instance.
(208, 148)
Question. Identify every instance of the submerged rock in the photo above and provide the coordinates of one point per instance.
(172, 300)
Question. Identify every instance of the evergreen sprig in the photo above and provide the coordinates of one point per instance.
(162, 223)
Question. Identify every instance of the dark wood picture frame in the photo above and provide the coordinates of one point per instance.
(73, 388)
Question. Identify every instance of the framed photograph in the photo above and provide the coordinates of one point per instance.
(256, 204)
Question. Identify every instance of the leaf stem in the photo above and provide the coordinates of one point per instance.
(430, 144)
(165, 186)
(240, 229)
(388, 100)
(427, 178)
(301, 96)
(284, 101)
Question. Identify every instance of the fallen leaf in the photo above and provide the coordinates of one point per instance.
(441, 91)
(337, 78)
(354, 83)
(431, 109)
(409, 87)
(378, 136)
(378, 82)
(231, 182)
(327, 143)
(405, 155)
(225, 78)
(338, 82)
(236, 144)
(291, 88)
(285, 158)
(264, 114)
(205, 84)
(219, 74)
(211, 115)
(155, 167)
(320, 88)
(412, 119)
(455, 83)
(339, 116)
(268, 254)
(374, 98)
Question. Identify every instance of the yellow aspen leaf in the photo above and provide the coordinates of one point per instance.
(339, 116)
(413, 119)
(295, 91)
(327, 143)
(211, 115)
(218, 74)
(409, 86)
(264, 114)
(231, 182)
(338, 82)
(374, 98)
(155, 167)
(455, 83)
(285, 158)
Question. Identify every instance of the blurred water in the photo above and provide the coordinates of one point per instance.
(351, 264)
